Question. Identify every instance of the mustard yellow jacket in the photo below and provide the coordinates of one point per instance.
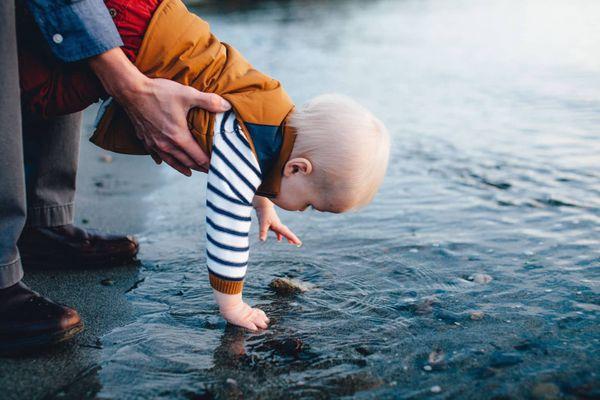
(178, 45)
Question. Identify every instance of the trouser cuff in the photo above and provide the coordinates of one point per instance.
(11, 273)
(43, 217)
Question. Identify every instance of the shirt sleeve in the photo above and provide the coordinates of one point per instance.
(75, 29)
(233, 178)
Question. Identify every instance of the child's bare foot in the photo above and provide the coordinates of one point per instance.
(236, 312)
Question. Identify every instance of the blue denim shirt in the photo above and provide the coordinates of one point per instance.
(75, 29)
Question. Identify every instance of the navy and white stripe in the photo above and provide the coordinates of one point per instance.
(233, 178)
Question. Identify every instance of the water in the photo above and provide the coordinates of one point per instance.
(494, 109)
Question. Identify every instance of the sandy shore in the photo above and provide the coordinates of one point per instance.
(109, 203)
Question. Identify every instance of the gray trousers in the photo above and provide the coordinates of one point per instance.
(38, 160)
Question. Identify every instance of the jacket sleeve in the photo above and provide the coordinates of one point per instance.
(75, 29)
(233, 178)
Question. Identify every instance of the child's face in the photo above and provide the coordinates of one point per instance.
(299, 191)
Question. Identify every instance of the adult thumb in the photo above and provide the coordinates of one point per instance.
(208, 101)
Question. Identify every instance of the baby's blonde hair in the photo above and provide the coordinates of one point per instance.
(348, 147)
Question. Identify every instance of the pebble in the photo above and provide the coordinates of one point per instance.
(85, 221)
(289, 286)
(107, 282)
(106, 158)
(476, 315)
(287, 347)
(436, 357)
(545, 391)
(435, 389)
(427, 368)
(480, 278)
(424, 307)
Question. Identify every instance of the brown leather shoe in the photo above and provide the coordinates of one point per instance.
(69, 246)
(29, 321)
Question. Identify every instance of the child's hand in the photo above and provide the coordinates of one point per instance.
(269, 220)
(236, 312)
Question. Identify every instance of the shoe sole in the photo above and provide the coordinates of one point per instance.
(26, 345)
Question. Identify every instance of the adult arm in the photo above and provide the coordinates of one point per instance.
(83, 29)
(158, 109)
(75, 29)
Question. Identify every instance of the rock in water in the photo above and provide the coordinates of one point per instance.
(107, 282)
(476, 315)
(480, 278)
(436, 357)
(289, 286)
(546, 391)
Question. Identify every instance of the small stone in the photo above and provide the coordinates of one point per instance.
(436, 357)
(289, 286)
(107, 282)
(286, 347)
(231, 381)
(480, 278)
(85, 221)
(435, 389)
(106, 158)
(424, 307)
(99, 184)
(233, 391)
(364, 350)
(476, 315)
(427, 368)
(545, 391)
(414, 250)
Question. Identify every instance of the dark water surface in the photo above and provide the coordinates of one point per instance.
(494, 109)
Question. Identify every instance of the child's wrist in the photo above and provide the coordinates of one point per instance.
(227, 302)
(260, 202)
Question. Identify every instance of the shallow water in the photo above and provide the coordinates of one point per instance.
(494, 109)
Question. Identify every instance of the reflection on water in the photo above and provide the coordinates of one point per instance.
(494, 110)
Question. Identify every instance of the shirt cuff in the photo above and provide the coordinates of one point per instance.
(224, 285)
(76, 30)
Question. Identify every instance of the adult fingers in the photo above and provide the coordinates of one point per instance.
(156, 158)
(182, 158)
(208, 101)
(172, 162)
(195, 153)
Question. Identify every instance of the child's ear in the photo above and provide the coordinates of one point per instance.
(297, 166)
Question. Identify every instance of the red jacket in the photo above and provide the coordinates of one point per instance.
(50, 87)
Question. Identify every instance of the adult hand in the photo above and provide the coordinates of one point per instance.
(158, 109)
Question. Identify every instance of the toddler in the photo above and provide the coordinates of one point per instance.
(330, 154)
